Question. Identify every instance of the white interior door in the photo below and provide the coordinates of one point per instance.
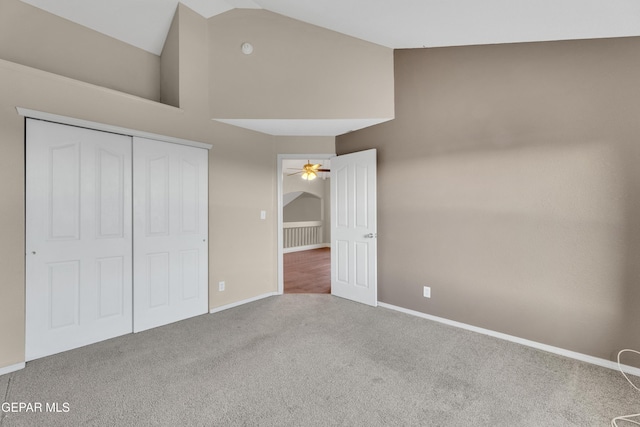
(170, 232)
(354, 227)
(78, 237)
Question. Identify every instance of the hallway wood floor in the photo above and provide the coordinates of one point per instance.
(308, 272)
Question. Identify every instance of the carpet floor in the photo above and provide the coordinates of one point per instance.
(307, 360)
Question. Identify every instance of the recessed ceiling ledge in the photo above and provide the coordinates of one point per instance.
(304, 127)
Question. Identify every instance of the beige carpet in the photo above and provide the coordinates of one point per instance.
(314, 360)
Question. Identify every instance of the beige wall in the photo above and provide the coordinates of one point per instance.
(305, 144)
(509, 183)
(170, 64)
(194, 62)
(242, 174)
(297, 71)
(33, 37)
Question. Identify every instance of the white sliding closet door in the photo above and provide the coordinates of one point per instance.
(78, 237)
(170, 232)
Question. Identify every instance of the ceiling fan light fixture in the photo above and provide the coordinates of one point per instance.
(309, 171)
(309, 175)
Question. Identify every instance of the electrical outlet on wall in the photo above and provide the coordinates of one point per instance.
(221, 286)
(426, 292)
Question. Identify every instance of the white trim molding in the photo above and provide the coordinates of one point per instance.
(540, 346)
(12, 368)
(40, 115)
(239, 303)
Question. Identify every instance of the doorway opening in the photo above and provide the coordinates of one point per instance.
(308, 272)
(304, 228)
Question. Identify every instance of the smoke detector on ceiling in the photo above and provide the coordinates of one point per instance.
(247, 48)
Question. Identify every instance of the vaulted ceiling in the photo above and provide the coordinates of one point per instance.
(395, 24)
(390, 23)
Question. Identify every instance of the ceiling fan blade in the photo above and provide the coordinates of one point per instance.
(323, 170)
(295, 173)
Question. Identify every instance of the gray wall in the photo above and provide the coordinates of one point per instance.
(509, 183)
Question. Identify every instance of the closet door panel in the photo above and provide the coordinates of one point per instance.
(157, 197)
(170, 233)
(63, 192)
(189, 194)
(78, 237)
(110, 213)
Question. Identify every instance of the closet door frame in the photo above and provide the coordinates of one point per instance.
(65, 120)
(127, 132)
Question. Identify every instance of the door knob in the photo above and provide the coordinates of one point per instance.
(371, 235)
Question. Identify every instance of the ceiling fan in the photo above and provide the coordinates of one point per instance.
(310, 171)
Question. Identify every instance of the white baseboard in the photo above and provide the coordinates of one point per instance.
(540, 346)
(12, 368)
(244, 301)
(306, 248)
